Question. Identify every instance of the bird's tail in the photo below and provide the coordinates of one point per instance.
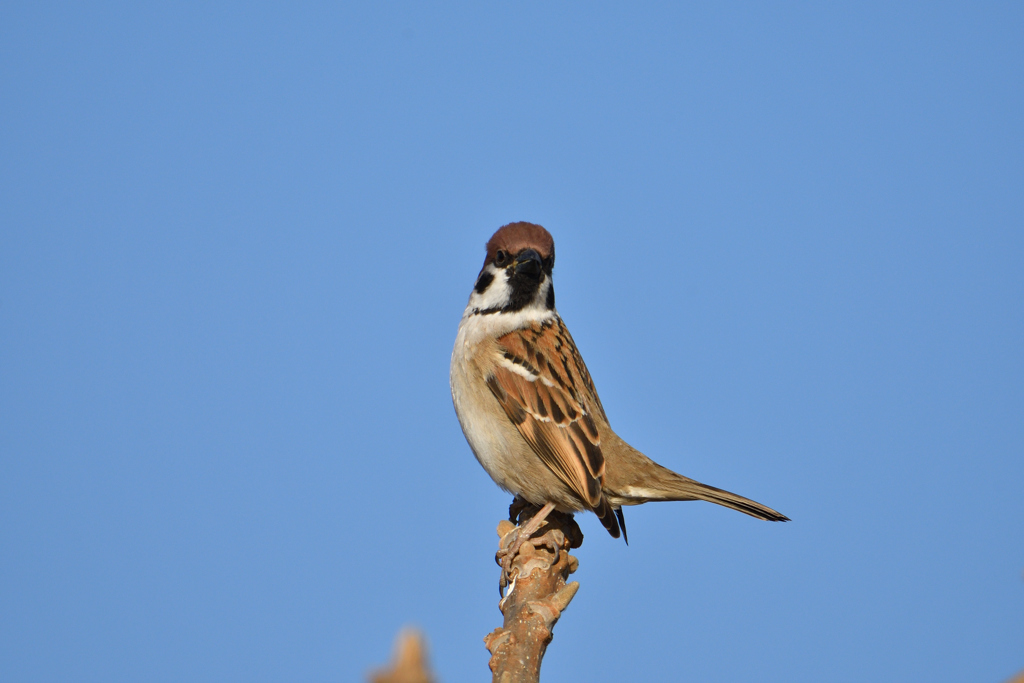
(683, 488)
(633, 478)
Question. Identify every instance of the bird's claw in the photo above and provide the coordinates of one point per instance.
(513, 539)
(503, 558)
(552, 540)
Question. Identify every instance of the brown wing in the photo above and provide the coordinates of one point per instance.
(546, 391)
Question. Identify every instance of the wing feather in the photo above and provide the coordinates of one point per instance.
(540, 381)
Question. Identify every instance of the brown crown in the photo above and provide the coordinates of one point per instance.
(515, 237)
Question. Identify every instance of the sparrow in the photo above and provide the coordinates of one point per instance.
(528, 406)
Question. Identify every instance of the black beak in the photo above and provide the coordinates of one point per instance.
(528, 263)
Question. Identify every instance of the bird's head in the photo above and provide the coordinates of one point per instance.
(517, 270)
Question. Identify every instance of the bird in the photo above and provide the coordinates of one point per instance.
(528, 406)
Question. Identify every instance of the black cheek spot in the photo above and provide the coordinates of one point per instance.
(483, 282)
(550, 303)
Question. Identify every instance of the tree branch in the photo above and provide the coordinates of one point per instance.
(537, 595)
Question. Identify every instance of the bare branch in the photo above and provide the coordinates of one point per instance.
(537, 595)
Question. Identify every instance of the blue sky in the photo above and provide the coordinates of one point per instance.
(236, 241)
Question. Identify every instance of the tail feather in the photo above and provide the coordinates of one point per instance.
(694, 490)
(645, 480)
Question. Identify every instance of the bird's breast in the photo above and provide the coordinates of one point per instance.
(491, 436)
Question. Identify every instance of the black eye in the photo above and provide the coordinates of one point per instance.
(500, 258)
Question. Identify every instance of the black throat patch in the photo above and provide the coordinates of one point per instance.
(524, 289)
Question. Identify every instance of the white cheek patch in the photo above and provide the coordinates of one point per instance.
(484, 316)
(542, 293)
(497, 294)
